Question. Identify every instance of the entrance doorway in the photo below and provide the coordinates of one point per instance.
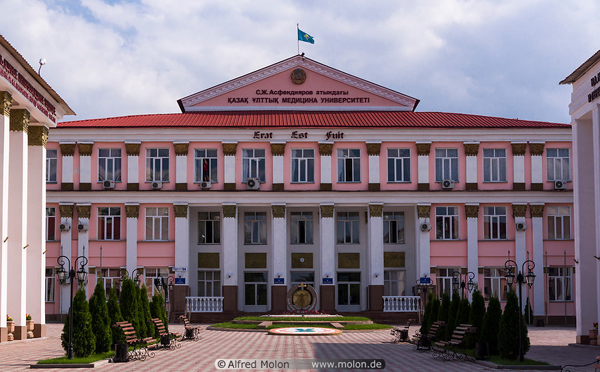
(348, 291)
(255, 291)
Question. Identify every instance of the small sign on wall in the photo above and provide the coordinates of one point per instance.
(179, 280)
(327, 280)
(278, 281)
(425, 280)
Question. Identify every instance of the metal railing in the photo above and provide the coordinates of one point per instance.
(401, 303)
(204, 304)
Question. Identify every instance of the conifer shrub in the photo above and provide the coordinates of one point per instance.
(476, 319)
(508, 336)
(84, 342)
(426, 315)
(114, 312)
(145, 305)
(452, 315)
(100, 319)
(128, 302)
(443, 314)
(464, 309)
(491, 325)
(145, 328)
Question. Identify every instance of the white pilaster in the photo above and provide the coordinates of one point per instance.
(230, 245)
(423, 164)
(182, 239)
(65, 243)
(519, 162)
(5, 103)
(85, 166)
(585, 252)
(373, 149)
(519, 211)
(133, 165)
(327, 240)
(423, 240)
(471, 150)
(67, 164)
(277, 150)
(375, 249)
(279, 253)
(472, 241)
(536, 168)
(229, 162)
(326, 164)
(537, 230)
(181, 164)
(132, 212)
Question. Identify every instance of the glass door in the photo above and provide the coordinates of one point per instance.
(255, 291)
(348, 291)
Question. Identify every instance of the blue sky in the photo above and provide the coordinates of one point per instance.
(487, 57)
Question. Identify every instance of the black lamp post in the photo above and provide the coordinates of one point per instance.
(136, 279)
(511, 268)
(62, 275)
(460, 282)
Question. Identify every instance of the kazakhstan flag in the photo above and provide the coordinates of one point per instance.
(303, 36)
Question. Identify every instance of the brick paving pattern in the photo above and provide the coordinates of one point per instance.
(549, 344)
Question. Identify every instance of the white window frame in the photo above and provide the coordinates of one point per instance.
(151, 273)
(207, 157)
(209, 287)
(398, 165)
(111, 278)
(301, 228)
(446, 223)
(348, 158)
(446, 164)
(494, 165)
(157, 165)
(209, 221)
(303, 166)
(348, 228)
(157, 224)
(559, 222)
(109, 166)
(443, 280)
(393, 228)
(394, 282)
(50, 285)
(560, 284)
(50, 223)
(494, 223)
(494, 283)
(255, 228)
(558, 164)
(112, 218)
(254, 164)
(51, 166)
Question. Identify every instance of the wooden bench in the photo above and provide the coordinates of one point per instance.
(166, 339)
(596, 363)
(337, 325)
(191, 332)
(137, 348)
(401, 333)
(264, 325)
(447, 350)
(424, 342)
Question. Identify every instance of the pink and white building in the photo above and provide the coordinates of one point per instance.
(301, 173)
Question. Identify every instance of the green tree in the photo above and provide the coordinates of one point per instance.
(462, 316)
(476, 319)
(528, 312)
(508, 336)
(128, 303)
(145, 327)
(145, 304)
(491, 325)
(435, 309)
(114, 312)
(100, 319)
(426, 315)
(443, 314)
(452, 315)
(84, 341)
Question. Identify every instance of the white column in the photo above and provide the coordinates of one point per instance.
(423, 149)
(585, 252)
(66, 218)
(17, 224)
(325, 150)
(423, 240)
(472, 212)
(5, 102)
(277, 152)
(471, 152)
(67, 150)
(537, 150)
(327, 240)
(181, 155)
(519, 213)
(133, 162)
(279, 253)
(518, 151)
(373, 150)
(375, 249)
(230, 245)
(85, 162)
(132, 213)
(182, 239)
(229, 150)
(537, 222)
(83, 236)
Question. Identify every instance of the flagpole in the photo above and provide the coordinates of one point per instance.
(298, 40)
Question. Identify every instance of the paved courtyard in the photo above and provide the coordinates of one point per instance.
(549, 344)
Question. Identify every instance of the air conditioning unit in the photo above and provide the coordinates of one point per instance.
(253, 184)
(109, 184)
(447, 184)
(157, 185)
(82, 227)
(64, 227)
(205, 185)
(425, 226)
(560, 185)
(521, 226)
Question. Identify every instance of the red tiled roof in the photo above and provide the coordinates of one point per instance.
(314, 119)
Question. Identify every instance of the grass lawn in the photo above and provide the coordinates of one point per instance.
(92, 358)
(230, 325)
(297, 319)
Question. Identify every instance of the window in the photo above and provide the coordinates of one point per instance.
(443, 281)
(559, 223)
(109, 165)
(494, 283)
(558, 168)
(347, 228)
(494, 223)
(299, 277)
(50, 282)
(393, 282)
(51, 165)
(205, 162)
(209, 283)
(398, 165)
(301, 229)
(348, 165)
(253, 164)
(393, 227)
(157, 223)
(559, 283)
(255, 228)
(209, 227)
(109, 223)
(50, 224)
(152, 273)
(494, 165)
(157, 165)
(446, 223)
(111, 279)
(303, 165)
(446, 165)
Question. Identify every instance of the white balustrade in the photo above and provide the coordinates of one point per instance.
(401, 303)
(204, 304)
